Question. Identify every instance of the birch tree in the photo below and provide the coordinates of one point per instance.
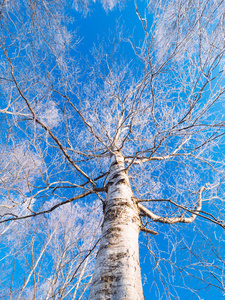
(134, 143)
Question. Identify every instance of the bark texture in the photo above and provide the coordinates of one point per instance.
(117, 271)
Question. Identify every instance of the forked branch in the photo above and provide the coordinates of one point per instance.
(180, 219)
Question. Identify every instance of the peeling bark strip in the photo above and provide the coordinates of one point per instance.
(117, 274)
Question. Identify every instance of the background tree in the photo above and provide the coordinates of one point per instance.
(134, 132)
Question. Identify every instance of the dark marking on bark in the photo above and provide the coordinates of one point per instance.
(115, 176)
(121, 181)
(114, 163)
(113, 212)
(102, 248)
(114, 229)
(110, 235)
(117, 208)
(135, 220)
(108, 185)
(117, 190)
(103, 207)
(106, 292)
(107, 278)
(117, 256)
(118, 278)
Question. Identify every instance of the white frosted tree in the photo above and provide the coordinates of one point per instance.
(112, 142)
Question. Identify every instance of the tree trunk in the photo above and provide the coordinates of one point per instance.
(117, 272)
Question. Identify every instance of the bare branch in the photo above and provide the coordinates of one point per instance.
(174, 220)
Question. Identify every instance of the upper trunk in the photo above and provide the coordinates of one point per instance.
(117, 271)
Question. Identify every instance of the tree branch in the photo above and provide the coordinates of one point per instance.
(144, 229)
(48, 210)
(181, 219)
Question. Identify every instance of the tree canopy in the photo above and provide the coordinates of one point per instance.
(151, 88)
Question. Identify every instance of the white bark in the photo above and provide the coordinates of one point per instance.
(117, 271)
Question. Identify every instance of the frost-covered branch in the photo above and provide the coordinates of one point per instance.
(181, 219)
